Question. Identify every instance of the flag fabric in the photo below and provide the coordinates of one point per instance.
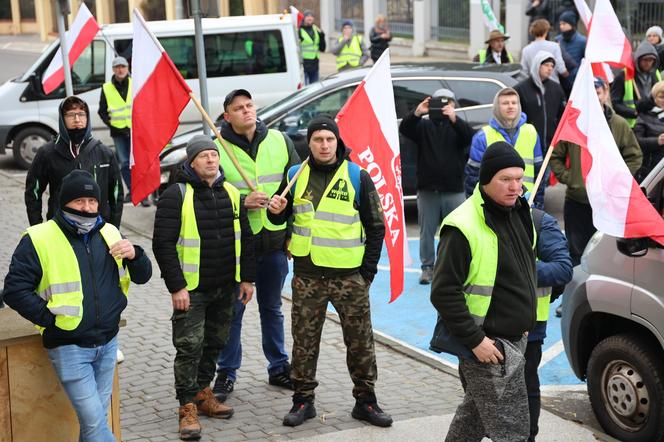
(606, 40)
(490, 19)
(368, 124)
(77, 38)
(296, 16)
(159, 94)
(600, 69)
(619, 206)
(584, 11)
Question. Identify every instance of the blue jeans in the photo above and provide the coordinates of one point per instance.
(272, 269)
(122, 146)
(432, 207)
(86, 374)
(310, 76)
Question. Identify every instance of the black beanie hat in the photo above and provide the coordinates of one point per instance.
(568, 17)
(198, 144)
(322, 122)
(78, 184)
(500, 155)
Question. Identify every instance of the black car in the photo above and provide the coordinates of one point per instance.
(474, 86)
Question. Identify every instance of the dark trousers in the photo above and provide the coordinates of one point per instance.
(311, 75)
(579, 228)
(533, 358)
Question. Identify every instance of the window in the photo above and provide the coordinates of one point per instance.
(473, 92)
(244, 53)
(87, 73)
(27, 9)
(298, 119)
(409, 93)
(5, 10)
(183, 53)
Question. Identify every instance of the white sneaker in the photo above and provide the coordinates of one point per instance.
(120, 356)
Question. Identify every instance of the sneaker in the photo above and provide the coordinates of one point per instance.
(208, 405)
(119, 356)
(427, 275)
(300, 412)
(190, 427)
(223, 387)
(282, 379)
(371, 413)
(559, 311)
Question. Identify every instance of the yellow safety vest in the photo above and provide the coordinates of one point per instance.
(60, 284)
(266, 173)
(119, 110)
(525, 146)
(483, 242)
(332, 234)
(482, 56)
(309, 47)
(188, 246)
(628, 96)
(350, 54)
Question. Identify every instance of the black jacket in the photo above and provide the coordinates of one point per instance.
(214, 219)
(378, 43)
(513, 303)
(103, 301)
(649, 126)
(618, 85)
(122, 88)
(442, 151)
(371, 216)
(542, 110)
(55, 159)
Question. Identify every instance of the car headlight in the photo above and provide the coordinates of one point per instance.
(594, 240)
(176, 156)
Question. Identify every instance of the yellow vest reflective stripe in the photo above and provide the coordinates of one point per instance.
(188, 246)
(119, 110)
(628, 96)
(543, 300)
(350, 54)
(525, 146)
(483, 242)
(266, 173)
(482, 56)
(60, 284)
(332, 234)
(308, 46)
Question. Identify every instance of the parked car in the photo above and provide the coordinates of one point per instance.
(474, 86)
(613, 328)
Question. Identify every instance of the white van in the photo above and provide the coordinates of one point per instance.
(259, 53)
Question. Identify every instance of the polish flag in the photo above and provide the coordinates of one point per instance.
(619, 206)
(159, 94)
(77, 38)
(607, 42)
(600, 69)
(368, 124)
(296, 16)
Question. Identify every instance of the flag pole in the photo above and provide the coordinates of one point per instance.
(540, 175)
(292, 181)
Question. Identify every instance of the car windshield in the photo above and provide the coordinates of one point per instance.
(266, 112)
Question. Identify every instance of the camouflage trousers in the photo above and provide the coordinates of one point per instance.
(350, 297)
(198, 335)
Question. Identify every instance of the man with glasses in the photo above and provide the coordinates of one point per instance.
(73, 148)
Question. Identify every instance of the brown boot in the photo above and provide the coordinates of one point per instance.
(190, 428)
(208, 405)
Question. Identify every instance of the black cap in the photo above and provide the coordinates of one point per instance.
(233, 94)
(498, 156)
(568, 17)
(78, 184)
(322, 122)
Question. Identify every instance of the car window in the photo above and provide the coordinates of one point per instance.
(299, 118)
(409, 93)
(244, 53)
(473, 92)
(87, 73)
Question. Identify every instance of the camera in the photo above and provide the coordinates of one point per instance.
(436, 106)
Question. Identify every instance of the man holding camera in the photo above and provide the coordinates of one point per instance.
(442, 140)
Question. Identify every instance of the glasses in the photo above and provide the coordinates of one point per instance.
(73, 115)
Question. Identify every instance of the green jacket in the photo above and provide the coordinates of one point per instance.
(570, 175)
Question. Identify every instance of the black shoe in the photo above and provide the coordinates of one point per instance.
(282, 379)
(371, 413)
(145, 202)
(222, 387)
(427, 275)
(300, 412)
(559, 311)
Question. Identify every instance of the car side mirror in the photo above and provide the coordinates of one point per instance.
(633, 247)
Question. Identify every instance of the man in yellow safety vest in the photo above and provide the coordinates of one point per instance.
(349, 48)
(312, 42)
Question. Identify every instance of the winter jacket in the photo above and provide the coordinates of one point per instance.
(214, 219)
(575, 46)
(644, 81)
(338, 45)
(442, 151)
(312, 65)
(504, 56)
(536, 12)
(122, 88)
(265, 241)
(103, 301)
(378, 43)
(533, 48)
(55, 159)
(649, 126)
(542, 101)
(512, 310)
(570, 173)
(371, 216)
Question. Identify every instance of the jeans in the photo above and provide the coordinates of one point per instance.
(122, 147)
(272, 268)
(86, 374)
(432, 207)
(310, 76)
(533, 358)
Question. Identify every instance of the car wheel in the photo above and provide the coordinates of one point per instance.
(26, 143)
(626, 388)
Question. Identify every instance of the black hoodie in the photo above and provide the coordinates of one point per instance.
(642, 80)
(55, 159)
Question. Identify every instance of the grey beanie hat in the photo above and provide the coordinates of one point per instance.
(119, 61)
(198, 144)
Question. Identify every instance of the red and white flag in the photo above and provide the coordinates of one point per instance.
(159, 94)
(77, 38)
(601, 69)
(619, 206)
(296, 16)
(368, 124)
(607, 41)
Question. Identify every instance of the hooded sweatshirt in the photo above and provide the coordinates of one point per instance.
(643, 81)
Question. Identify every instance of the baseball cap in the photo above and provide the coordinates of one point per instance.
(233, 94)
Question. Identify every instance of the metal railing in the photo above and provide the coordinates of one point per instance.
(453, 21)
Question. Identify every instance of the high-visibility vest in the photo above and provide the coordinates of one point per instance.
(525, 146)
(628, 96)
(543, 293)
(482, 56)
(266, 173)
(478, 286)
(60, 284)
(350, 54)
(309, 47)
(119, 110)
(188, 246)
(332, 234)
